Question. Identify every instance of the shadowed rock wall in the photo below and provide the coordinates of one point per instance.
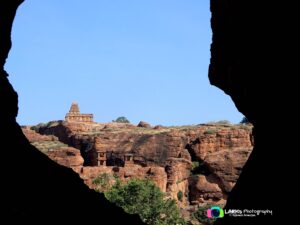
(249, 61)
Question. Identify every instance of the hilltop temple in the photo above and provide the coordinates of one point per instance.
(74, 115)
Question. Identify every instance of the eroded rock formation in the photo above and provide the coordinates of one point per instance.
(202, 162)
(33, 136)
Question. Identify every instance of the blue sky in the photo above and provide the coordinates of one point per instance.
(143, 59)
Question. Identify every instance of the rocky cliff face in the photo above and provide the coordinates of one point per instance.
(33, 136)
(202, 162)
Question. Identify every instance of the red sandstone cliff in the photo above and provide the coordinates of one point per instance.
(203, 162)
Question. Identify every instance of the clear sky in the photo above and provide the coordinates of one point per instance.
(143, 59)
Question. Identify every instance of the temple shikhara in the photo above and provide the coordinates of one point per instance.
(74, 115)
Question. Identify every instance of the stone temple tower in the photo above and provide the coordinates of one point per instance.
(74, 115)
(74, 109)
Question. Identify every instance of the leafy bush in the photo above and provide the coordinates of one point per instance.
(199, 167)
(144, 198)
(195, 167)
(121, 119)
(180, 195)
(53, 123)
(103, 182)
(37, 127)
(195, 164)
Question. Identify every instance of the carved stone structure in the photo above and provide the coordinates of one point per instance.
(101, 159)
(74, 115)
(128, 159)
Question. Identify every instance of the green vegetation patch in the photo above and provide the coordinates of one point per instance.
(144, 198)
(180, 195)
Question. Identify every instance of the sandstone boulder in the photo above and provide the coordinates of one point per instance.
(66, 156)
(204, 188)
(33, 136)
(144, 124)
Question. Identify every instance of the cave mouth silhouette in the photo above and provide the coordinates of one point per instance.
(236, 44)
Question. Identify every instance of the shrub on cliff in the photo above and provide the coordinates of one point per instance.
(144, 198)
(37, 127)
(180, 195)
(121, 119)
(103, 182)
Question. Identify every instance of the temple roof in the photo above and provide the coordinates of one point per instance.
(74, 108)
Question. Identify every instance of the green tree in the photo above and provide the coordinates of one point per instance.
(121, 119)
(180, 195)
(144, 198)
(103, 182)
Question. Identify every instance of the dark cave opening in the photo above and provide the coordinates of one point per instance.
(239, 38)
